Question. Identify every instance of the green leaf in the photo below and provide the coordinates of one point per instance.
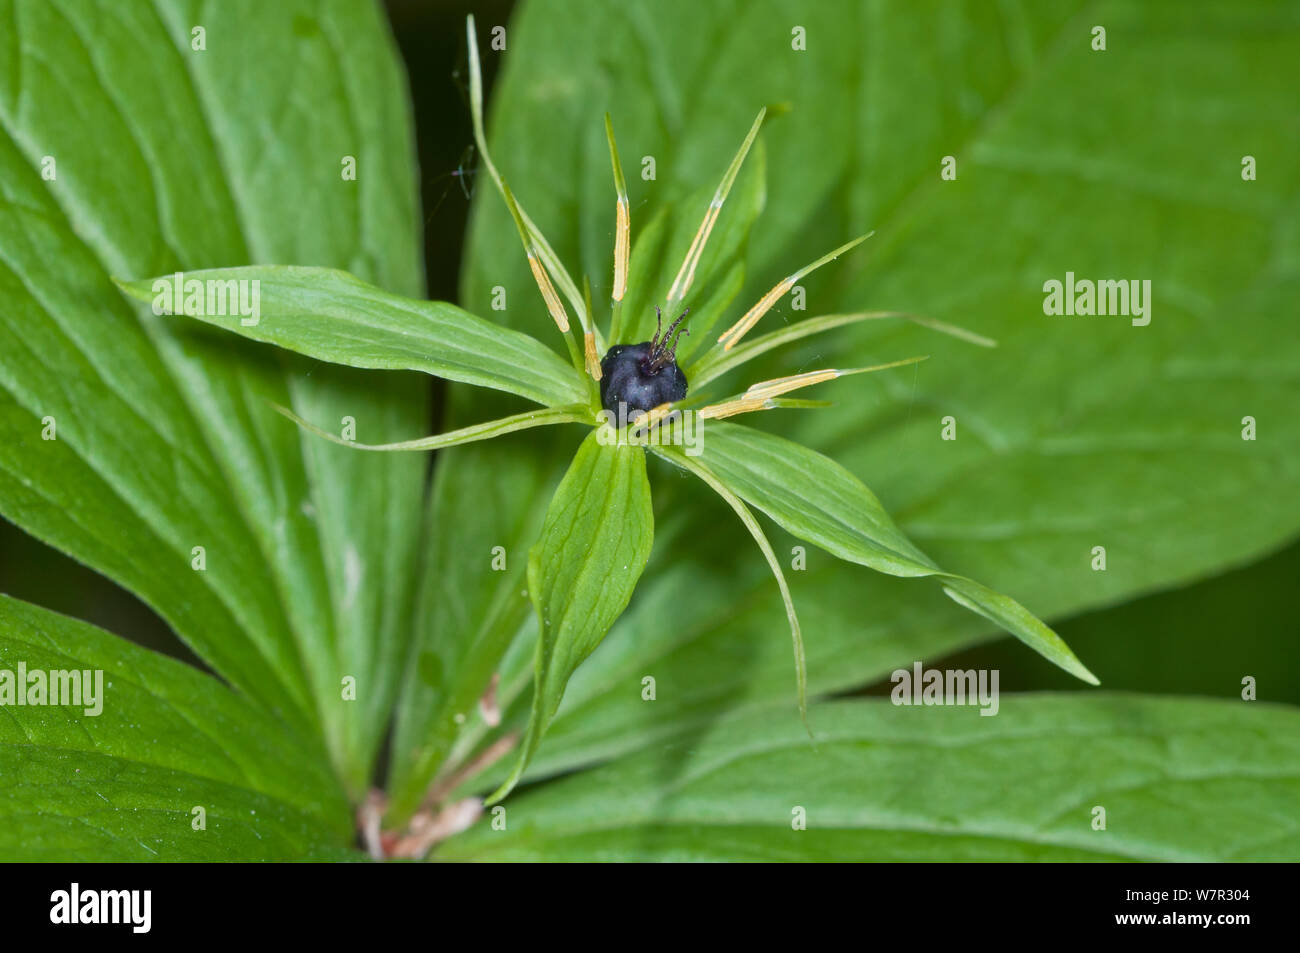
(812, 496)
(1179, 779)
(332, 316)
(816, 499)
(165, 435)
(594, 544)
(122, 783)
(1074, 432)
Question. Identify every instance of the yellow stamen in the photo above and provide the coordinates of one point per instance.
(593, 362)
(732, 335)
(761, 396)
(622, 221)
(686, 274)
(783, 385)
(553, 303)
(534, 242)
(622, 245)
(654, 415)
(730, 408)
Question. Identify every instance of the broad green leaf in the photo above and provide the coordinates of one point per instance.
(581, 572)
(122, 783)
(1073, 433)
(816, 499)
(332, 316)
(1180, 779)
(812, 496)
(126, 152)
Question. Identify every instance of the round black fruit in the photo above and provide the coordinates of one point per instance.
(644, 375)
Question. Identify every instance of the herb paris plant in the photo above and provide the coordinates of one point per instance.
(598, 530)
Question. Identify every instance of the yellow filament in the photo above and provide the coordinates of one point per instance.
(733, 334)
(621, 245)
(593, 362)
(686, 274)
(732, 407)
(783, 385)
(553, 304)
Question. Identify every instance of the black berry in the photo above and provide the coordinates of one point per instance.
(644, 375)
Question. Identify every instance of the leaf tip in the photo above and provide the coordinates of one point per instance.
(803, 717)
(132, 289)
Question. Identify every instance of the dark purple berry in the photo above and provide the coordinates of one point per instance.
(644, 375)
